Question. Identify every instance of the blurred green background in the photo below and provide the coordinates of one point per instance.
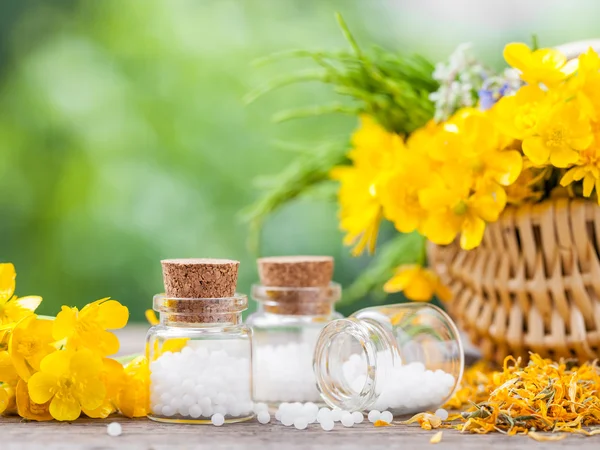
(124, 140)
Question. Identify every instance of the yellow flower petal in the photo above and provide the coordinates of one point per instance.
(517, 55)
(151, 317)
(535, 150)
(85, 364)
(112, 315)
(7, 281)
(563, 157)
(56, 364)
(64, 323)
(402, 278)
(8, 374)
(21, 307)
(472, 232)
(588, 185)
(65, 407)
(27, 408)
(42, 387)
(93, 395)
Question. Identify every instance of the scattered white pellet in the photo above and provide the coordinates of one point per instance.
(336, 414)
(300, 423)
(386, 416)
(264, 417)
(358, 417)
(114, 429)
(347, 419)
(324, 414)
(217, 419)
(327, 424)
(442, 413)
(287, 419)
(374, 416)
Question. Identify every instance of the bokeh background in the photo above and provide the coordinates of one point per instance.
(124, 138)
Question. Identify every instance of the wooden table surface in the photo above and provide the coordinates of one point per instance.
(145, 434)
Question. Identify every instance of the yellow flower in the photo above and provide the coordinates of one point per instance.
(70, 380)
(455, 210)
(113, 377)
(588, 170)
(7, 399)
(360, 213)
(529, 187)
(87, 328)
(399, 190)
(13, 309)
(133, 400)
(30, 341)
(417, 283)
(27, 408)
(545, 65)
(517, 115)
(559, 136)
(8, 374)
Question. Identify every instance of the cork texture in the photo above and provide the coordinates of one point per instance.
(295, 271)
(200, 278)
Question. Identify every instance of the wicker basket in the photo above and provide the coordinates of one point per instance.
(533, 284)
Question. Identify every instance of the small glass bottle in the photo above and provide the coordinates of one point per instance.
(200, 358)
(404, 358)
(286, 328)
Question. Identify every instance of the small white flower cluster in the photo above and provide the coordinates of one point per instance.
(460, 80)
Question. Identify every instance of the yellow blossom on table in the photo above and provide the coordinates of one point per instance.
(7, 399)
(88, 327)
(360, 208)
(560, 136)
(8, 374)
(30, 341)
(71, 381)
(545, 65)
(133, 400)
(113, 377)
(12, 308)
(27, 408)
(417, 283)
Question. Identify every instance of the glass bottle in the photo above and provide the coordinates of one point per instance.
(286, 327)
(404, 358)
(200, 358)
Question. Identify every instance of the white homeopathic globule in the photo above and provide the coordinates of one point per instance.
(199, 382)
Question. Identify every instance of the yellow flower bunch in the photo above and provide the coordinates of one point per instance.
(58, 368)
(448, 180)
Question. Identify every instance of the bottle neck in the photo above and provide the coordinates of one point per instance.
(352, 358)
(195, 320)
(297, 301)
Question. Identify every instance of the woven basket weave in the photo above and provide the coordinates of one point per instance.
(532, 285)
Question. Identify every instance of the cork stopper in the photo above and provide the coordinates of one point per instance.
(200, 278)
(295, 271)
(200, 291)
(296, 285)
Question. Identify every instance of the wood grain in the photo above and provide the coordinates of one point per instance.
(144, 434)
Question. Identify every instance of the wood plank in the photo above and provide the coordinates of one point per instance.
(145, 434)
